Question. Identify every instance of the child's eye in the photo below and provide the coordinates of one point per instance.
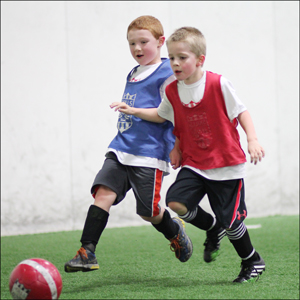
(182, 57)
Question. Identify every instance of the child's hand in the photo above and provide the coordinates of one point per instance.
(175, 157)
(122, 107)
(256, 151)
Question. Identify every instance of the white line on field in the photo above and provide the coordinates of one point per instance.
(253, 226)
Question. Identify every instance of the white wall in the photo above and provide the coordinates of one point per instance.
(64, 62)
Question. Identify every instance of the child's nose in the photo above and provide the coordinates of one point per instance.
(137, 47)
(175, 62)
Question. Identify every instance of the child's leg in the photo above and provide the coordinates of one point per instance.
(200, 218)
(240, 239)
(235, 227)
(183, 198)
(252, 263)
(165, 224)
(110, 187)
(174, 230)
(96, 220)
(146, 185)
(227, 201)
(97, 217)
(214, 232)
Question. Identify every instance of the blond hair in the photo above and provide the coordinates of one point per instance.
(148, 23)
(192, 36)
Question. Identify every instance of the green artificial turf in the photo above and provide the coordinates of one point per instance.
(136, 263)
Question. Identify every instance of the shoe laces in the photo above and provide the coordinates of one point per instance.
(82, 253)
(175, 246)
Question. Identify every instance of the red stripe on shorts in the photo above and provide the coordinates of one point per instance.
(237, 203)
(157, 188)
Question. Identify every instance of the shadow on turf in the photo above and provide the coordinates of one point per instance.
(172, 282)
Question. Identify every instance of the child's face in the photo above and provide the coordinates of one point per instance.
(144, 47)
(185, 64)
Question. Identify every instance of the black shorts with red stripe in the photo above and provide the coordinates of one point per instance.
(145, 182)
(226, 198)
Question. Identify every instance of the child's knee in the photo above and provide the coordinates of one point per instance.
(178, 207)
(155, 219)
(104, 197)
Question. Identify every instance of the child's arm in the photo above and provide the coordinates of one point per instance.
(255, 150)
(148, 114)
(175, 155)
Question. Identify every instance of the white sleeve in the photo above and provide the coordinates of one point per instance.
(165, 109)
(233, 103)
(163, 86)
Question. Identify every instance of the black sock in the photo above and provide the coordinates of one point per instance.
(167, 226)
(240, 239)
(200, 218)
(254, 257)
(95, 223)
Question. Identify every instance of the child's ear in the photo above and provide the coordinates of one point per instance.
(161, 41)
(201, 60)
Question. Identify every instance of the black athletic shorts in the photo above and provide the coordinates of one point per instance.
(226, 197)
(145, 182)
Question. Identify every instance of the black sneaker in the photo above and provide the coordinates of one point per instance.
(250, 271)
(84, 261)
(181, 244)
(212, 244)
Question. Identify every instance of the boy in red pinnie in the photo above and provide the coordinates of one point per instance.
(205, 111)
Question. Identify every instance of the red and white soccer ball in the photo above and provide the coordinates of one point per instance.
(35, 278)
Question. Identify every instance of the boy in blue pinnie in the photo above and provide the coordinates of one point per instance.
(205, 111)
(138, 157)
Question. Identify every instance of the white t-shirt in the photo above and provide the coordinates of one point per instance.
(191, 95)
(124, 158)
